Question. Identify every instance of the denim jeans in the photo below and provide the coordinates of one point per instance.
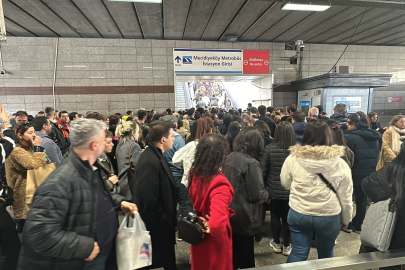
(100, 262)
(303, 228)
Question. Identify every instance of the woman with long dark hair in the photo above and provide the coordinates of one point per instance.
(233, 131)
(273, 159)
(211, 194)
(227, 119)
(389, 183)
(339, 139)
(245, 174)
(264, 129)
(373, 119)
(321, 192)
(27, 155)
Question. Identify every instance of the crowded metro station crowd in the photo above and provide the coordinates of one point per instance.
(231, 165)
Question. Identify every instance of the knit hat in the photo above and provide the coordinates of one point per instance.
(169, 118)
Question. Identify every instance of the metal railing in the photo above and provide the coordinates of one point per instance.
(372, 260)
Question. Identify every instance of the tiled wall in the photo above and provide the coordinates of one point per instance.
(111, 75)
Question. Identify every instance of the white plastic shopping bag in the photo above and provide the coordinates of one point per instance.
(134, 247)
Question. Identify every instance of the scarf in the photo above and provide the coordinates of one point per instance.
(396, 135)
(65, 129)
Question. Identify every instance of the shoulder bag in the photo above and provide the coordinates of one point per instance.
(190, 228)
(6, 194)
(379, 225)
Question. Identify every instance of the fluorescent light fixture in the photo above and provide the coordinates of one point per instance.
(138, 1)
(75, 66)
(306, 6)
(95, 77)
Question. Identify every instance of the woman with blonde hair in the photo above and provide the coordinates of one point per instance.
(127, 150)
(391, 140)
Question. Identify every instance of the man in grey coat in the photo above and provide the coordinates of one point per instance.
(43, 128)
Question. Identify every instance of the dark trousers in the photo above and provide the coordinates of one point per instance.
(279, 212)
(182, 196)
(9, 241)
(361, 205)
(243, 251)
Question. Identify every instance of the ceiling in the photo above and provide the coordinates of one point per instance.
(374, 22)
(222, 78)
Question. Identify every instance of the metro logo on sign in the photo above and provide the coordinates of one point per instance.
(256, 62)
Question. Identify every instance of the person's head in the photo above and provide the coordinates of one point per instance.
(197, 115)
(227, 119)
(213, 110)
(277, 119)
(211, 155)
(270, 109)
(64, 117)
(130, 113)
(161, 134)
(280, 110)
(180, 122)
(339, 108)
(320, 109)
(234, 125)
(169, 111)
(398, 121)
(249, 105)
(41, 113)
(284, 135)
(127, 131)
(262, 110)
(108, 141)
(358, 120)
(262, 127)
(292, 109)
(73, 116)
(298, 117)
(201, 110)
(253, 110)
(221, 115)
(80, 115)
(141, 116)
(87, 136)
(21, 117)
(57, 114)
(193, 132)
(50, 113)
(250, 141)
(114, 120)
(372, 117)
(337, 132)
(95, 115)
(205, 125)
(170, 119)
(314, 111)
(214, 118)
(25, 135)
(247, 120)
(42, 124)
(191, 113)
(149, 118)
(106, 120)
(317, 133)
(156, 117)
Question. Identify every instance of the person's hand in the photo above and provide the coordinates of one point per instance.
(343, 226)
(114, 179)
(4, 114)
(37, 141)
(129, 208)
(94, 253)
(206, 224)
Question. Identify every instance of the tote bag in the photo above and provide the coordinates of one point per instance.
(35, 178)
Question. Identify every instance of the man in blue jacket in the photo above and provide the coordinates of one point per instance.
(177, 171)
(299, 124)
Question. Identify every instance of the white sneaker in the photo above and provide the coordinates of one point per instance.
(276, 247)
(287, 250)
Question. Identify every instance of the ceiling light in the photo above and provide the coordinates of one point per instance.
(306, 6)
(138, 1)
(232, 38)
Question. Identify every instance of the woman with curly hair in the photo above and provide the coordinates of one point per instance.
(245, 174)
(211, 194)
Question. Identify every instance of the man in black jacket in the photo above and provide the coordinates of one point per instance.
(72, 223)
(154, 193)
(262, 116)
(56, 134)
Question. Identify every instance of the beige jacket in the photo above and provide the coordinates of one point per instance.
(386, 150)
(17, 165)
(309, 195)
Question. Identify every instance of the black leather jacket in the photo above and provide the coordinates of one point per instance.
(245, 174)
(59, 230)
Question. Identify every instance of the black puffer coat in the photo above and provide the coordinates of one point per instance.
(60, 227)
(245, 175)
(272, 162)
(341, 118)
(365, 144)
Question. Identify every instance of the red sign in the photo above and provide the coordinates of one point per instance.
(395, 99)
(256, 62)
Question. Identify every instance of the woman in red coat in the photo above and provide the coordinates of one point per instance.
(211, 194)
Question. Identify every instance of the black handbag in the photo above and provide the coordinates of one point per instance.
(6, 194)
(190, 228)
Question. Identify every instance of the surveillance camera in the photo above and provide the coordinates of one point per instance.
(2, 71)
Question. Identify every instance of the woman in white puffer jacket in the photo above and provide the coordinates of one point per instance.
(315, 207)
